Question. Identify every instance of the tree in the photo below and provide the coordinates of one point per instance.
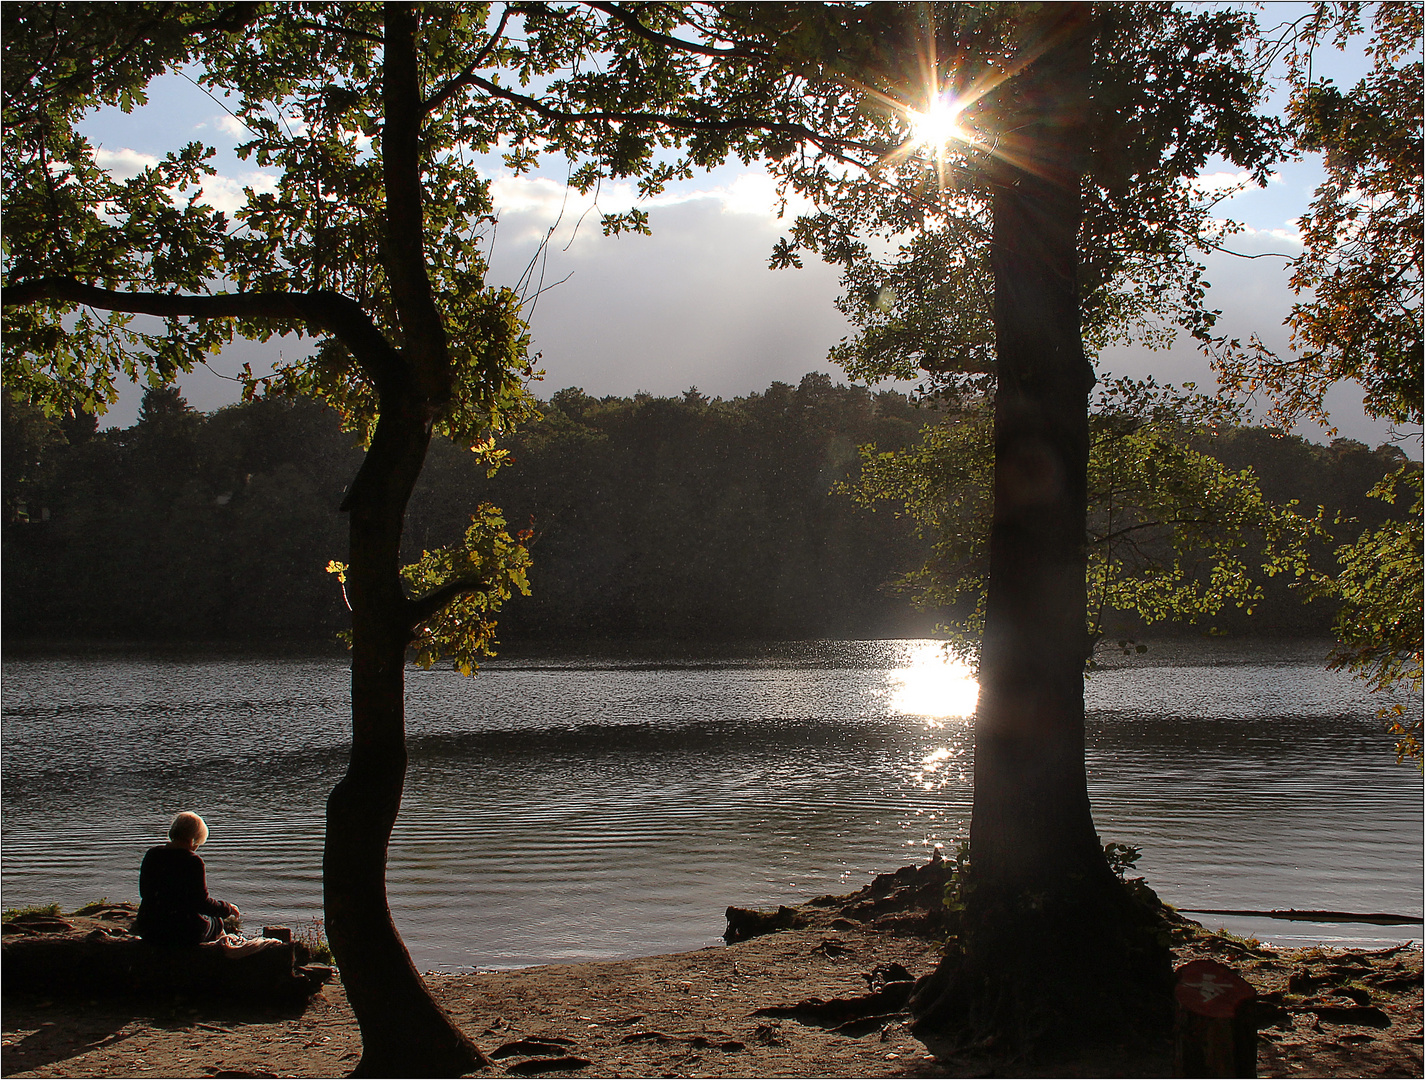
(372, 242)
(1051, 178)
(1379, 627)
(1362, 265)
(298, 259)
(28, 436)
(1359, 277)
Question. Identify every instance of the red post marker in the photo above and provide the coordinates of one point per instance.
(1216, 1027)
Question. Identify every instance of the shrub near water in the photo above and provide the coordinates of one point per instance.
(310, 936)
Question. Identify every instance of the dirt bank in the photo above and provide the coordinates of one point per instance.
(743, 1010)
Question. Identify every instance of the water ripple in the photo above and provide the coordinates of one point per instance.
(605, 804)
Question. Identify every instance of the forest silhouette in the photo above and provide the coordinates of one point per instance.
(650, 517)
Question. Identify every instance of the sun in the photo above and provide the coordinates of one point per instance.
(938, 123)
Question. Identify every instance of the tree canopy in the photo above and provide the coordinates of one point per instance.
(1174, 535)
(1063, 191)
(1169, 89)
(378, 116)
(1359, 276)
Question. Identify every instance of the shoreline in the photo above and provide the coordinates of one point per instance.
(756, 1007)
(517, 652)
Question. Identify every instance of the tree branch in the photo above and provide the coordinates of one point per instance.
(1127, 530)
(797, 132)
(631, 21)
(421, 608)
(344, 31)
(1258, 255)
(403, 246)
(451, 88)
(338, 315)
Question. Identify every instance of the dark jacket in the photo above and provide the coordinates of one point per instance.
(175, 908)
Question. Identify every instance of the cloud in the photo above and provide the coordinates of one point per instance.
(693, 304)
(221, 192)
(521, 194)
(123, 163)
(1243, 240)
(1255, 297)
(1265, 241)
(756, 193)
(1221, 182)
(225, 193)
(231, 125)
(530, 205)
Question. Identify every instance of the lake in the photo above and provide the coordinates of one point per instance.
(612, 801)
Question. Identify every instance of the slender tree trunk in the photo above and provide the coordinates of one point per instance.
(403, 1031)
(1051, 946)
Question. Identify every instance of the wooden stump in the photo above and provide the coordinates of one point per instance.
(1215, 1032)
(744, 923)
(93, 954)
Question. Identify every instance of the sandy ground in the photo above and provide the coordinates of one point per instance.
(697, 1014)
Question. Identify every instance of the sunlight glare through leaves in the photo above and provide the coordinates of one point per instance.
(939, 123)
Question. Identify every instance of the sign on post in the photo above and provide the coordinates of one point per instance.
(1215, 1032)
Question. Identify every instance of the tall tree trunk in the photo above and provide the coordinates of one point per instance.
(1049, 937)
(403, 1031)
(1030, 825)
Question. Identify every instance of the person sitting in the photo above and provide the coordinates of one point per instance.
(174, 905)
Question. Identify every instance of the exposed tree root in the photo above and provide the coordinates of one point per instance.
(1030, 977)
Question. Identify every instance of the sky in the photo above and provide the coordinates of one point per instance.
(695, 303)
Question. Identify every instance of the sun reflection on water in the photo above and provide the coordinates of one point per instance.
(940, 768)
(933, 685)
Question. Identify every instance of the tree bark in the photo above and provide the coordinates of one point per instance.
(1030, 822)
(403, 1031)
(1049, 934)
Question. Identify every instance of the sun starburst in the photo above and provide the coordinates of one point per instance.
(939, 123)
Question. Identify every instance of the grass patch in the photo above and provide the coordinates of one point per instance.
(311, 937)
(1249, 944)
(51, 910)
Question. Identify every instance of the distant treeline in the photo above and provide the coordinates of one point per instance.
(668, 517)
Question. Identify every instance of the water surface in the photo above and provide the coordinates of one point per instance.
(611, 802)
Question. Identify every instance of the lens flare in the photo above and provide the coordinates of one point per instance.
(938, 123)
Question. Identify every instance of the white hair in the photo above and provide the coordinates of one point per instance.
(188, 828)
